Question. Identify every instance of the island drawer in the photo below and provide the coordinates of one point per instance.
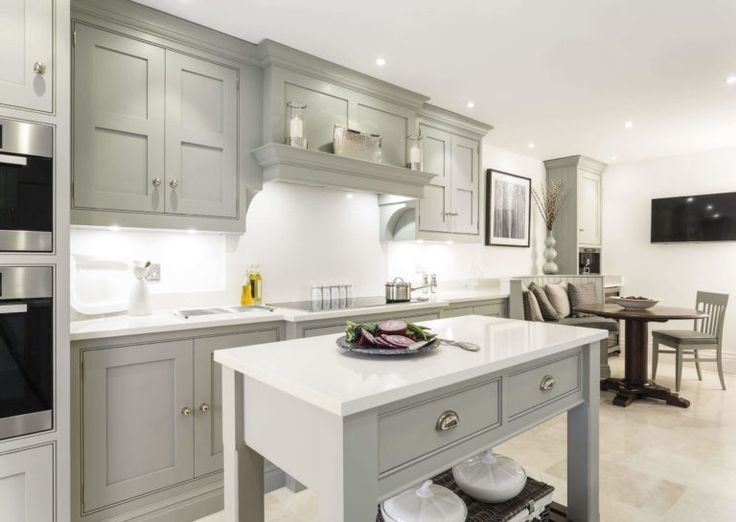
(537, 387)
(422, 428)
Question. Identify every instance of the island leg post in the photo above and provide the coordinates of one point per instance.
(582, 445)
(244, 488)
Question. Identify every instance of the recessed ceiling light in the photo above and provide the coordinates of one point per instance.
(470, 104)
(114, 228)
(192, 231)
(709, 207)
(731, 80)
(531, 145)
(380, 62)
(690, 199)
(629, 124)
(613, 158)
(716, 216)
(349, 195)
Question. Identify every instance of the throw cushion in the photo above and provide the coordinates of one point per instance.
(548, 311)
(531, 307)
(581, 295)
(557, 295)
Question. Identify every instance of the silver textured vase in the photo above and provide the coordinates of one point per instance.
(550, 254)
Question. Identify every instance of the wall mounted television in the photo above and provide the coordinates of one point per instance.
(705, 217)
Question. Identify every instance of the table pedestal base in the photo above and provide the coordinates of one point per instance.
(627, 392)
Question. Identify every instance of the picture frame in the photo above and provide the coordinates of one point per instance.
(508, 209)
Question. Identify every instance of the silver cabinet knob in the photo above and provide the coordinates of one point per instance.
(173, 183)
(39, 68)
(204, 407)
(186, 411)
(448, 421)
(156, 181)
(548, 382)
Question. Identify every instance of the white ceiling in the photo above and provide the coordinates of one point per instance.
(563, 74)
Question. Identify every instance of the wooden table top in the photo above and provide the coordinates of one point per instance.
(656, 313)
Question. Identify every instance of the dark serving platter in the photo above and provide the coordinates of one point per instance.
(354, 348)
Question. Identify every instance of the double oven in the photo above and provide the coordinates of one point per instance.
(26, 292)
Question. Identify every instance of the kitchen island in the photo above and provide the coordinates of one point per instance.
(359, 429)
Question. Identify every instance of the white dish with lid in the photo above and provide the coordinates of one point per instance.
(427, 503)
(489, 477)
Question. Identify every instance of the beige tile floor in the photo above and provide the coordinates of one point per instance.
(657, 463)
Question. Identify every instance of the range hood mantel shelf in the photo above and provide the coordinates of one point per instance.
(308, 167)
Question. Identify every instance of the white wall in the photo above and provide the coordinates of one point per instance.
(672, 272)
(302, 236)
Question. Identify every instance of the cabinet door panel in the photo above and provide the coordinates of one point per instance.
(118, 122)
(433, 208)
(136, 438)
(589, 219)
(465, 185)
(208, 391)
(201, 137)
(27, 485)
(26, 39)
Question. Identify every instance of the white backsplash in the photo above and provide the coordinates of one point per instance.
(302, 236)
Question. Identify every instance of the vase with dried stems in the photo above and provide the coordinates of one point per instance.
(549, 201)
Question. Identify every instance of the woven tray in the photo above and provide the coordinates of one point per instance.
(533, 491)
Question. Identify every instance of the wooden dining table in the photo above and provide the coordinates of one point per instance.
(636, 383)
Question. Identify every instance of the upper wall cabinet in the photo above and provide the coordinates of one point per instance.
(160, 127)
(26, 60)
(451, 147)
(335, 95)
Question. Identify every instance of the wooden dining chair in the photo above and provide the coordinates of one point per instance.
(706, 335)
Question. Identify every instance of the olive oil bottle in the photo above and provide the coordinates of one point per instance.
(257, 285)
(246, 298)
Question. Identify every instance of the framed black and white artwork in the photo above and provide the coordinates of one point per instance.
(508, 209)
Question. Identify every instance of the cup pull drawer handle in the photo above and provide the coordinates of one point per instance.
(548, 382)
(448, 421)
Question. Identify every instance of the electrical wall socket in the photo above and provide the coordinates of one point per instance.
(154, 273)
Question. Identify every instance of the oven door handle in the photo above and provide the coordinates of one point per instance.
(13, 160)
(13, 309)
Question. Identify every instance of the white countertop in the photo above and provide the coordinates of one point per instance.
(169, 321)
(164, 321)
(315, 371)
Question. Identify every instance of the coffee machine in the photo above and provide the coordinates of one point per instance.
(589, 261)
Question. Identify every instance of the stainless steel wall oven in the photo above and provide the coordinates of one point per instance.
(26, 350)
(26, 187)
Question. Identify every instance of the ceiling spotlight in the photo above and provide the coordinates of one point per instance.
(629, 124)
(716, 216)
(531, 145)
(380, 62)
(349, 195)
(114, 228)
(690, 199)
(613, 158)
(731, 80)
(709, 207)
(470, 104)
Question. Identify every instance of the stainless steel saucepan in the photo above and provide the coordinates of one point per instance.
(399, 291)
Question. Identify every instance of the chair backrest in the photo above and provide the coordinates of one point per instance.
(715, 306)
(517, 284)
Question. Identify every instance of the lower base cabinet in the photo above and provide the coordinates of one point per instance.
(493, 308)
(27, 485)
(149, 426)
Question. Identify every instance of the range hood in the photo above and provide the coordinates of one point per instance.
(322, 169)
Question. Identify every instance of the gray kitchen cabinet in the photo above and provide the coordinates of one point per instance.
(147, 424)
(138, 423)
(208, 396)
(164, 115)
(26, 60)
(589, 209)
(27, 485)
(201, 137)
(465, 185)
(337, 325)
(490, 308)
(119, 85)
(578, 225)
(434, 213)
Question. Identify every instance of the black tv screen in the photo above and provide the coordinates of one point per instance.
(707, 217)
